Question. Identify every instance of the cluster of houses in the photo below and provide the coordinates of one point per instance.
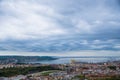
(87, 71)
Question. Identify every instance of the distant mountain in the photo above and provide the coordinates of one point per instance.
(23, 59)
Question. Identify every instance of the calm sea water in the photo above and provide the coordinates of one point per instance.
(89, 60)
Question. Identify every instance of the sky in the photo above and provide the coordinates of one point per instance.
(60, 27)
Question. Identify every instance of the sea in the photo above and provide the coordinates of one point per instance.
(67, 60)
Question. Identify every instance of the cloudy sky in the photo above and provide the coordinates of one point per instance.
(60, 27)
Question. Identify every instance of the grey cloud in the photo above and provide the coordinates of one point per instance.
(59, 25)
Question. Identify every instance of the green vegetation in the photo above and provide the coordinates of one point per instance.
(112, 67)
(8, 72)
(46, 73)
(79, 77)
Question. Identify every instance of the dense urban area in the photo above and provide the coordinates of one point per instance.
(72, 71)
